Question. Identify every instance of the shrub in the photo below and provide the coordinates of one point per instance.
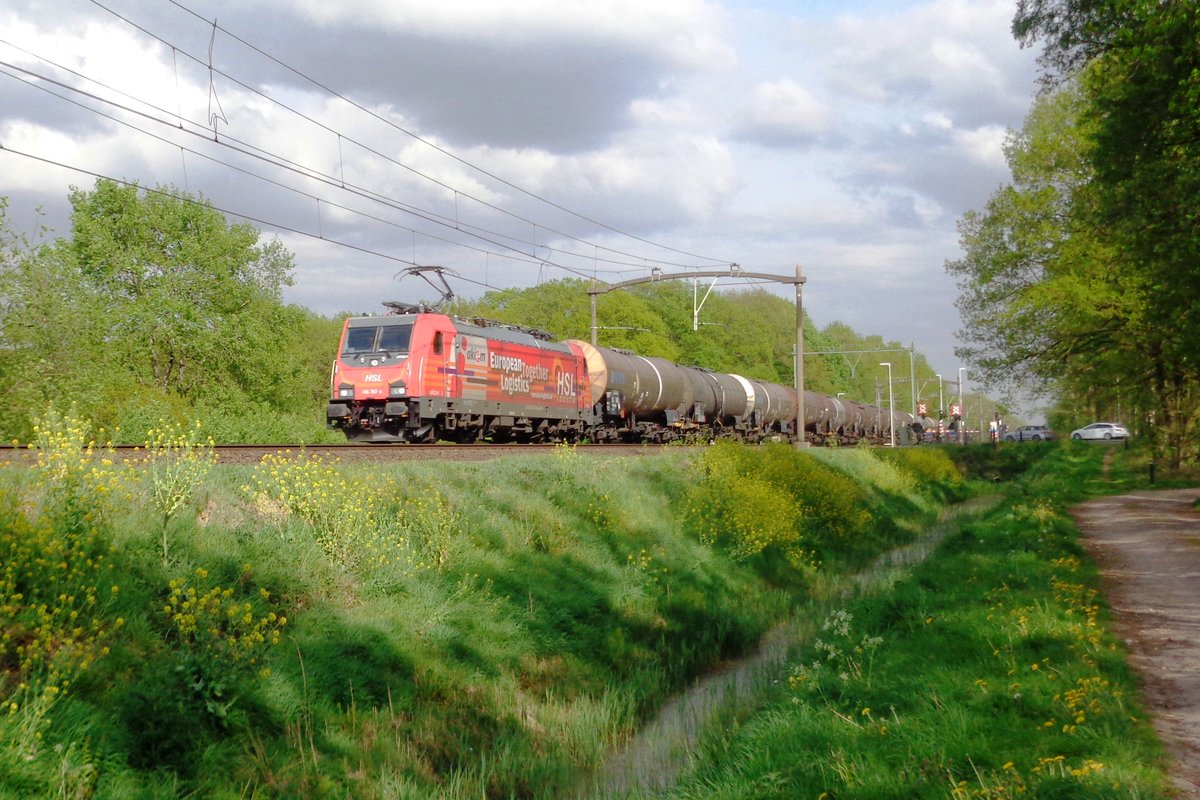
(929, 465)
(56, 578)
(175, 463)
(752, 500)
(361, 523)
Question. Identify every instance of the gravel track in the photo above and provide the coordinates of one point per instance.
(1147, 544)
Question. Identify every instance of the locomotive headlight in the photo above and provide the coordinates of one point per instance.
(345, 390)
(397, 389)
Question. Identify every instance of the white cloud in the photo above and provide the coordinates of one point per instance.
(984, 145)
(783, 111)
(938, 120)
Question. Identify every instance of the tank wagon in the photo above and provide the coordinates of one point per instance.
(418, 376)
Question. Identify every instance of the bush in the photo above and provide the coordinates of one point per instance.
(775, 499)
(932, 469)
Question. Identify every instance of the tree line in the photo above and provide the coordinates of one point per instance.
(750, 332)
(156, 308)
(1081, 278)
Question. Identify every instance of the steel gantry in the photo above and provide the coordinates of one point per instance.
(733, 271)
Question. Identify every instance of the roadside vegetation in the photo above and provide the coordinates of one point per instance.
(308, 629)
(989, 672)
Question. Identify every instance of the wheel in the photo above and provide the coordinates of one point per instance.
(1076, 436)
(1037, 438)
(1108, 436)
(1010, 438)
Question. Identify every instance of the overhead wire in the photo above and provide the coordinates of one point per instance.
(434, 145)
(274, 159)
(395, 162)
(250, 150)
(226, 211)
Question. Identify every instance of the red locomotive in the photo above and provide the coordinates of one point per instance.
(418, 376)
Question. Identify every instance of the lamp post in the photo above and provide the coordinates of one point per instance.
(962, 409)
(941, 406)
(891, 403)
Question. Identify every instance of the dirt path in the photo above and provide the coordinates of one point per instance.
(1148, 547)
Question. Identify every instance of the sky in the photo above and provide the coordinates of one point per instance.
(532, 140)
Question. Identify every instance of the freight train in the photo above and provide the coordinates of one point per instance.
(415, 375)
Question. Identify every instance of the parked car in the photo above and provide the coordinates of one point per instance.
(1101, 430)
(1028, 433)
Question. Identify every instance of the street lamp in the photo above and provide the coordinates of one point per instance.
(941, 406)
(891, 402)
(962, 408)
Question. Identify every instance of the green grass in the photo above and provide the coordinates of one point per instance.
(988, 673)
(307, 629)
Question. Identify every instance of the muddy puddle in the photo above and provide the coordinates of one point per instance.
(651, 761)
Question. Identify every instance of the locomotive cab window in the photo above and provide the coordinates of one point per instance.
(393, 339)
(437, 343)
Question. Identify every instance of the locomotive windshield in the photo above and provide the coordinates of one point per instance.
(391, 339)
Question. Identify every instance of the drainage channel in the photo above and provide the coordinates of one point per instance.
(651, 761)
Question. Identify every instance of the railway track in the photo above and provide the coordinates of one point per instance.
(379, 453)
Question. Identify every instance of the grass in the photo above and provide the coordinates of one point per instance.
(989, 672)
(310, 629)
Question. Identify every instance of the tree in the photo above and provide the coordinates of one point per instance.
(156, 307)
(1138, 64)
(51, 335)
(1014, 333)
(187, 291)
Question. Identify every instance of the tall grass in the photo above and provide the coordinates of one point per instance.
(310, 629)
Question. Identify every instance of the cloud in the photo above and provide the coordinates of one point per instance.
(682, 31)
(783, 112)
(554, 75)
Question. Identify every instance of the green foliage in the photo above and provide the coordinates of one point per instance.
(932, 468)
(185, 290)
(984, 462)
(1079, 279)
(803, 509)
(219, 637)
(156, 308)
(363, 523)
(176, 463)
(747, 332)
(987, 673)
(506, 631)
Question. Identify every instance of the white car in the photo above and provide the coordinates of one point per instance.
(1029, 433)
(1101, 430)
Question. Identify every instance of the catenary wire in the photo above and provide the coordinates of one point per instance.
(250, 150)
(399, 164)
(249, 218)
(478, 232)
